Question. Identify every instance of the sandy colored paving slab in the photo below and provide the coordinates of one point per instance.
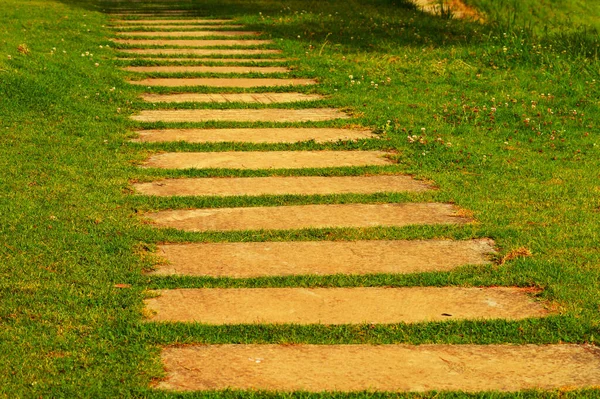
(207, 69)
(240, 115)
(263, 259)
(197, 51)
(204, 60)
(171, 21)
(222, 82)
(308, 216)
(372, 305)
(188, 33)
(281, 185)
(251, 98)
(258, 135)
(346, 368)
(267, 159)
(161, 27)
(192, 43)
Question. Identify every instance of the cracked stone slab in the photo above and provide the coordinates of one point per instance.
(293, 258)
(241, 115)
(334, 306)
(249, 98)
(296, 217)
(391, 368)
(223, 82)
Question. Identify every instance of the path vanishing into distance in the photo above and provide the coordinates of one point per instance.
(237, 67)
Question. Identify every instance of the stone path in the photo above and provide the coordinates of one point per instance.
(312, 368)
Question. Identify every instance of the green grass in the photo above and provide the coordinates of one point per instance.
(502, 117)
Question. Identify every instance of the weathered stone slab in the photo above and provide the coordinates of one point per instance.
(188, 33)
(222, 82)
(308, 216)
(267, 159)
(206, 69)
(192, 42)
(171, 21)
(392, 368)
(281, 185)
(196, 51)
(205, 60)
(240, 115)
(249, 98)
(161, 27)
(263, 259)
(257, 135)
(361, 305)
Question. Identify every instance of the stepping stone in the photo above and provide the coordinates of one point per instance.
(264, 259)
(189, 34)
(334, 306)
(280, 185)
(207, 69)
(171, 21)
(258, 135)
(249, 98)
(196, 51)
(161, 27)
(203, 60)
(192, 42)
(241, 115)
(308, 217)
(267, 159)
(223, 82)
(392, 368)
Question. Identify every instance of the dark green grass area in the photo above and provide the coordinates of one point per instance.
(502, 117)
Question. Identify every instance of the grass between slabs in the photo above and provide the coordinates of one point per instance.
(502, 117)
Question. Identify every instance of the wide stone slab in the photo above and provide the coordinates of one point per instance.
(258, 135)
(263, 259)
(308, 216)
(171, 21)
(281, 185)
(196, 51)
(267, 159)
(188, 33)
(361, 305)
(161, 27)
(249, 98)
(222, 82)
(240, 115)
(200, 61)
(392, 368)
(192, 43)
(206, 69)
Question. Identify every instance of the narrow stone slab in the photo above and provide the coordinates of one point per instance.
(308, 216)
(222, 82)
(392, 368)
(196, 51)
(371, 305)
(207, 69)
(240, 115)
(263, 259)
(161, 27)
(267, 159)
(171, 21)
(258, 135)
(204, 60)
(281, 185)
(249, 98)
(192, 43)
(188, 33)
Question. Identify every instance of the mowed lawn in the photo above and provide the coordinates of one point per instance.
(502, 117)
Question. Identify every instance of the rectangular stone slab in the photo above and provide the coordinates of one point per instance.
(171, 21)
(192, 43)
(240, 115)
(249, 135)
(247, 98)
(161, 27)
(267, 159)
(263, 259)
(200, 61)
(206, 69)
(392, 368)
(308, 216)
(188, 33)
(196, 51)
(222, 82)
(334, 306)
(281, 185)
